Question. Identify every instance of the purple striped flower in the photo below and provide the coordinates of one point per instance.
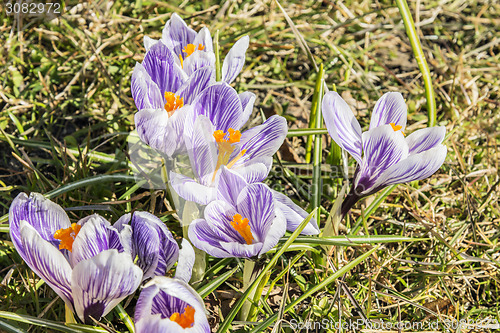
(384, 154)
(151, 243)
(85, 263)
(170, 305)
(243, 221)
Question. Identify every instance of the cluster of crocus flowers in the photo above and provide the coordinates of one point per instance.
(385, 154)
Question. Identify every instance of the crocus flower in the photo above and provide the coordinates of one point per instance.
(170, 305)
(385, 155)
(85, 263)
(194, 50)
(243, 221)
(230, 184)
(151, 243)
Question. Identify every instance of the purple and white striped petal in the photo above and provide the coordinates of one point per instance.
(160, 64)
(341, 124)
(196, 83)
(46, 261)
(257, 205)
(235, 59)
(101, 282)
(149, 42)
(95, 236)
(221, 104)
(198, 60)
(204, 38)
(425, 139)
(242, 250)
(262, 140)
(415, 167)
(256, 170)
(185, 263)
(42, 214)
(145, 92)
(165, 296)
(382, 148)
(219, 215)
(247, 101)
(204, 238)
(176, 34)
(202, 149)
(275, 232)
(229, 185)
(390, 108)
(190, 190)
(294, 215)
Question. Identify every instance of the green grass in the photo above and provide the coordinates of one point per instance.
(66, 110)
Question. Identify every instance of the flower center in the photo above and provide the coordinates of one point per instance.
(189, 49)
(397, 128)
(226, 148)
(173, 102)
(185, 319)
(67, 236)
(241, 225)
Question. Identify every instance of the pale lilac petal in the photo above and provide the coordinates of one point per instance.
(102, 282)
(425, 139)
(294, 215)
(202, 149)
(262, 140)
(415, 167)
(149, 42)
(46, 261)
(145, 92)
(41, 213)
(165, 296)
(341, 124)
(196, 83)
(95, 236)
(176, 34)
(235, 60)
(219, 215)
(204, 38)
(229, 186)
(390, 108)
(155, 323)
(186, 262)
(198, 60)
(275, 232)
(159, 63)
(203, 237)
(190, 190)
(221, 104)
(257, 205)
(247, 101)
(382, 148)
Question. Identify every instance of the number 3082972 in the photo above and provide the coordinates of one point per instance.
(33, 8)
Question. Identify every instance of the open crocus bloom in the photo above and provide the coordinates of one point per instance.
(230, 184)
(170, 305)
(86, 263)
(194, 50)
(209, 148)
(242, 222)
(151, 243)
(385, 155)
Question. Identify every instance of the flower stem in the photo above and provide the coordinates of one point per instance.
(248, 278)
(68, 315)
(420, 57)
(217, 57)
(190, 213)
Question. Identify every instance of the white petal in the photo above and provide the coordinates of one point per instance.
(235, 59)
(186, 262)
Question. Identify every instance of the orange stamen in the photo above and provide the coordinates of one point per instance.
(241, 225)
(185, 319)
(226, 148)
(189, 49)
(397, 128)
(67, 236)
(173, 102)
